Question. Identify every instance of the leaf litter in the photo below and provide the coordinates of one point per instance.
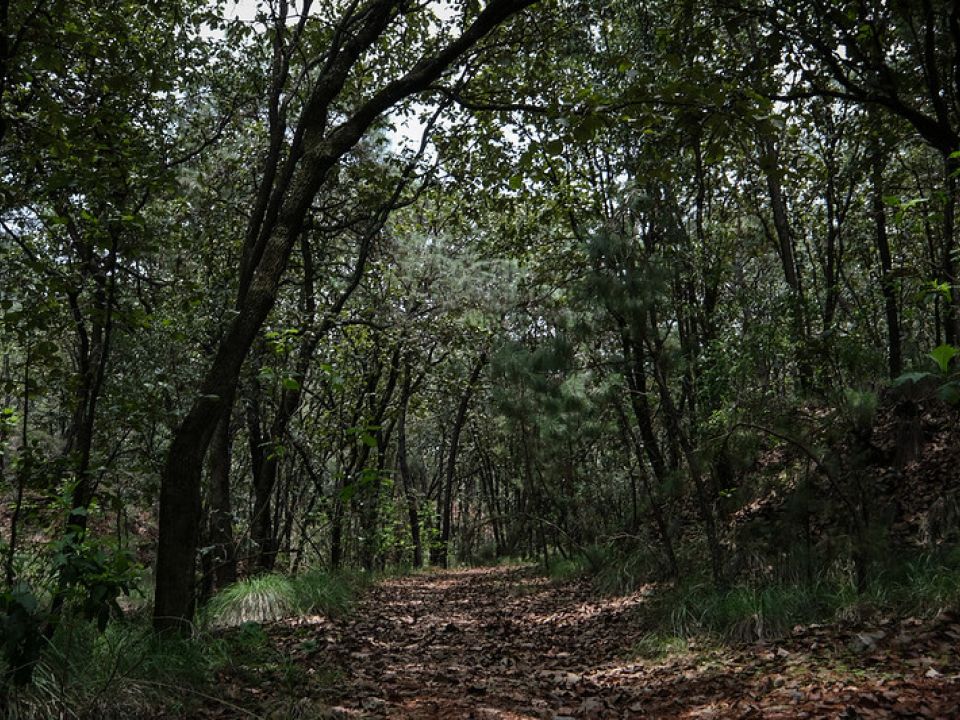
(504, 643)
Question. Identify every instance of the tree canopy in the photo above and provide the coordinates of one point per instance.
(381, 283)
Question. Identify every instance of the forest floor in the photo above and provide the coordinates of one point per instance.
(506, 643)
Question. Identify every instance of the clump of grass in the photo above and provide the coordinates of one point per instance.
(273, 597)
(624, 572)
(658, 645)
(742, 613)
(126, 671)
(257, 599)
(566, 569)
(326, 593)
(613, 571)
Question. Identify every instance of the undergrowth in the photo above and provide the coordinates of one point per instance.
(126, 671)
(273, 597)
(612, 572)
(129, 671)
(920, 586)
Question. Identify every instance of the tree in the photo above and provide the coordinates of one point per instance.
(287, 189)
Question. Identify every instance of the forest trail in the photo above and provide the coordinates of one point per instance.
(505, 643)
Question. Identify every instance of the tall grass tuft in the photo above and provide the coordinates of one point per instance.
(273, 597)
(126, 671)
(327, 593)
(257, 599)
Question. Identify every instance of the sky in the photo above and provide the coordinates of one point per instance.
(409, 131)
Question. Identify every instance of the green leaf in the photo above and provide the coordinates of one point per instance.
(910, 377)
(586, 130)
(554, 147)
(516, 182)
(289, 383)
(942, 355)
(950, 392)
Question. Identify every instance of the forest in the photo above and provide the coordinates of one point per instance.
(479, 358)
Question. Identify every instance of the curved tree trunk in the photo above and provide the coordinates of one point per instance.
(284, 201)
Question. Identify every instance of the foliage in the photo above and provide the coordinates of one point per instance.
(258, 599)
(925, 585)
(264, 598)
(89, 582)
(619, 287)
(123, 672)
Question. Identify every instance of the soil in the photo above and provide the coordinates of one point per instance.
(507, 643)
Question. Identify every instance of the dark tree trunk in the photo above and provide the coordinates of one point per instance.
(220, 509)
(371, 502)
(887, 283)
(951, 314)
(675, 427)
(261, 519)
(406, 479)
(770, 163)
(656, 507)
(451, 468)
(336, 534)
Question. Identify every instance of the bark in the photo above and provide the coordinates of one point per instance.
(951, 314)
(770, 163)
(316, 150)
(675, 427)
(656, 508)
(406, 479)
(451, 466)
(219, 507)
(887, 283)
(371, 502)
(93, 351)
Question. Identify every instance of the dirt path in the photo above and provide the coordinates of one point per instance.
(503, 643)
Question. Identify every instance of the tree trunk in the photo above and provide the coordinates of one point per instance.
(770, 163)
(451, 469)
(656, 509)
(951, 314)
(413, 510)
(273, 231)
(887, 283)
(220, 510)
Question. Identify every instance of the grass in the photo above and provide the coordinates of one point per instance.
(921, 586)
(129, 671)
(658, 645)
(265, 598)
(319, 592)
(257, 599)
(613, 572)
(566, 569)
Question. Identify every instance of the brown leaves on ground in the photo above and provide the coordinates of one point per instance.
(503, 643)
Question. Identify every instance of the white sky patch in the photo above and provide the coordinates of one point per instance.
(408, 132)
